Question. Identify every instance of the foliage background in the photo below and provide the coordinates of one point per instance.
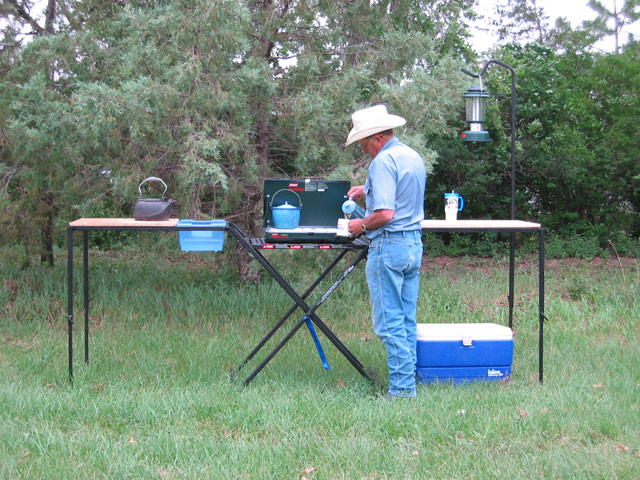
(216, 96)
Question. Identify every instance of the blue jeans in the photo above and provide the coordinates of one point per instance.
(393, 268)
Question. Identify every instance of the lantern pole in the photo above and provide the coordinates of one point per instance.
(513, 124)
(512, 241)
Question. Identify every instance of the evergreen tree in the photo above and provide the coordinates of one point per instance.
(215, 96)
(613, 21)
(521, 20)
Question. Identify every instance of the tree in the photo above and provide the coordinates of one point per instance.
(216, 96)
(23, 10)
(525, 21)
(613, 22)
(615, 83)
(45, 208)
(578, 154)
(522, 20)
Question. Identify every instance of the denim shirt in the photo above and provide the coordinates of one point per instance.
(397, 181)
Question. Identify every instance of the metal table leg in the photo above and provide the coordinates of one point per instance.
(70, 298)
(309, 311)
(541, 315)
(512, 254)
(290, 311)
(85, 270)
(85, 261)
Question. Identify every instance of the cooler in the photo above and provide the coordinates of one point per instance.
(463, 352)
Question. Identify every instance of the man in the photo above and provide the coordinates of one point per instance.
(394, 193)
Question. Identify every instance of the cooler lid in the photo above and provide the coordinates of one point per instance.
(463, 331)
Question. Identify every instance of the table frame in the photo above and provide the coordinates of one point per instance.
(512, 227)
(87, 225)
(253, 246)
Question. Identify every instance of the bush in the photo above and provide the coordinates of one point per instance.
(576, 246)
(623, 245)
(479, 244)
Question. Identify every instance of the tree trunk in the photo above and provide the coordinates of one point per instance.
(46, 229)
(50, 16)
(247, 223)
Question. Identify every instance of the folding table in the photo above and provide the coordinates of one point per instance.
(310, 317)
(254, 247)
(512, 227)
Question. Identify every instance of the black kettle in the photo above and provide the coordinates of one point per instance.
(153, 209)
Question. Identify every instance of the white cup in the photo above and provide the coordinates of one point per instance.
(450, 213)
(343, 227)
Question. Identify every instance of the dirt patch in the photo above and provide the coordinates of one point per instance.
(485, 264)
(595, 264)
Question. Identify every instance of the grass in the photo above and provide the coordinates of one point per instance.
(156, 399)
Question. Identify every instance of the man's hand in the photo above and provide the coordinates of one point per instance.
(355, 226)
(356, 192)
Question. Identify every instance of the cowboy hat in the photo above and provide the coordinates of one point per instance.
(372, 120)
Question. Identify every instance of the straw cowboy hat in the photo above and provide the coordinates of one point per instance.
(372, 120)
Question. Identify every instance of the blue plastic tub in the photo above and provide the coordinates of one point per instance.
(201, 240)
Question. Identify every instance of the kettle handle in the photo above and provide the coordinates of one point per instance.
(285, 190)
(461, 202)
(152, 178)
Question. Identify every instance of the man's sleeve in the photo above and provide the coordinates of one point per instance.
(383, 180)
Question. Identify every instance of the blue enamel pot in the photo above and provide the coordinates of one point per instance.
(286, 216)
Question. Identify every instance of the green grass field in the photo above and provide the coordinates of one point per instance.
(157, 401)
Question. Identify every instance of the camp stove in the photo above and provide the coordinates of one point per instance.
(303, 211)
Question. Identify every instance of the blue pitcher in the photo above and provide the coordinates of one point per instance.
(454, 200)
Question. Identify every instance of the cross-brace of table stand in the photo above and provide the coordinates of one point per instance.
(310, 318)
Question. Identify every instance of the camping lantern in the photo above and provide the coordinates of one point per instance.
(476, 102)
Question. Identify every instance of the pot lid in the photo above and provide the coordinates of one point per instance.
(286, 206)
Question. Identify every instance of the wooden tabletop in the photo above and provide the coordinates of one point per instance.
(121, 222)
(426, 224)
(479, 225)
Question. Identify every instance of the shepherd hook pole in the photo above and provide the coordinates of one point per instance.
(512, 241)
(513, 124)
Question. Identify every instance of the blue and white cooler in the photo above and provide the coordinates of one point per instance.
(464, 352)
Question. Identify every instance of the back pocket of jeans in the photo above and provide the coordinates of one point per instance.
(397, 254)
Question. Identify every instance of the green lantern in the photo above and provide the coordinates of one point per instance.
(476, 103)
